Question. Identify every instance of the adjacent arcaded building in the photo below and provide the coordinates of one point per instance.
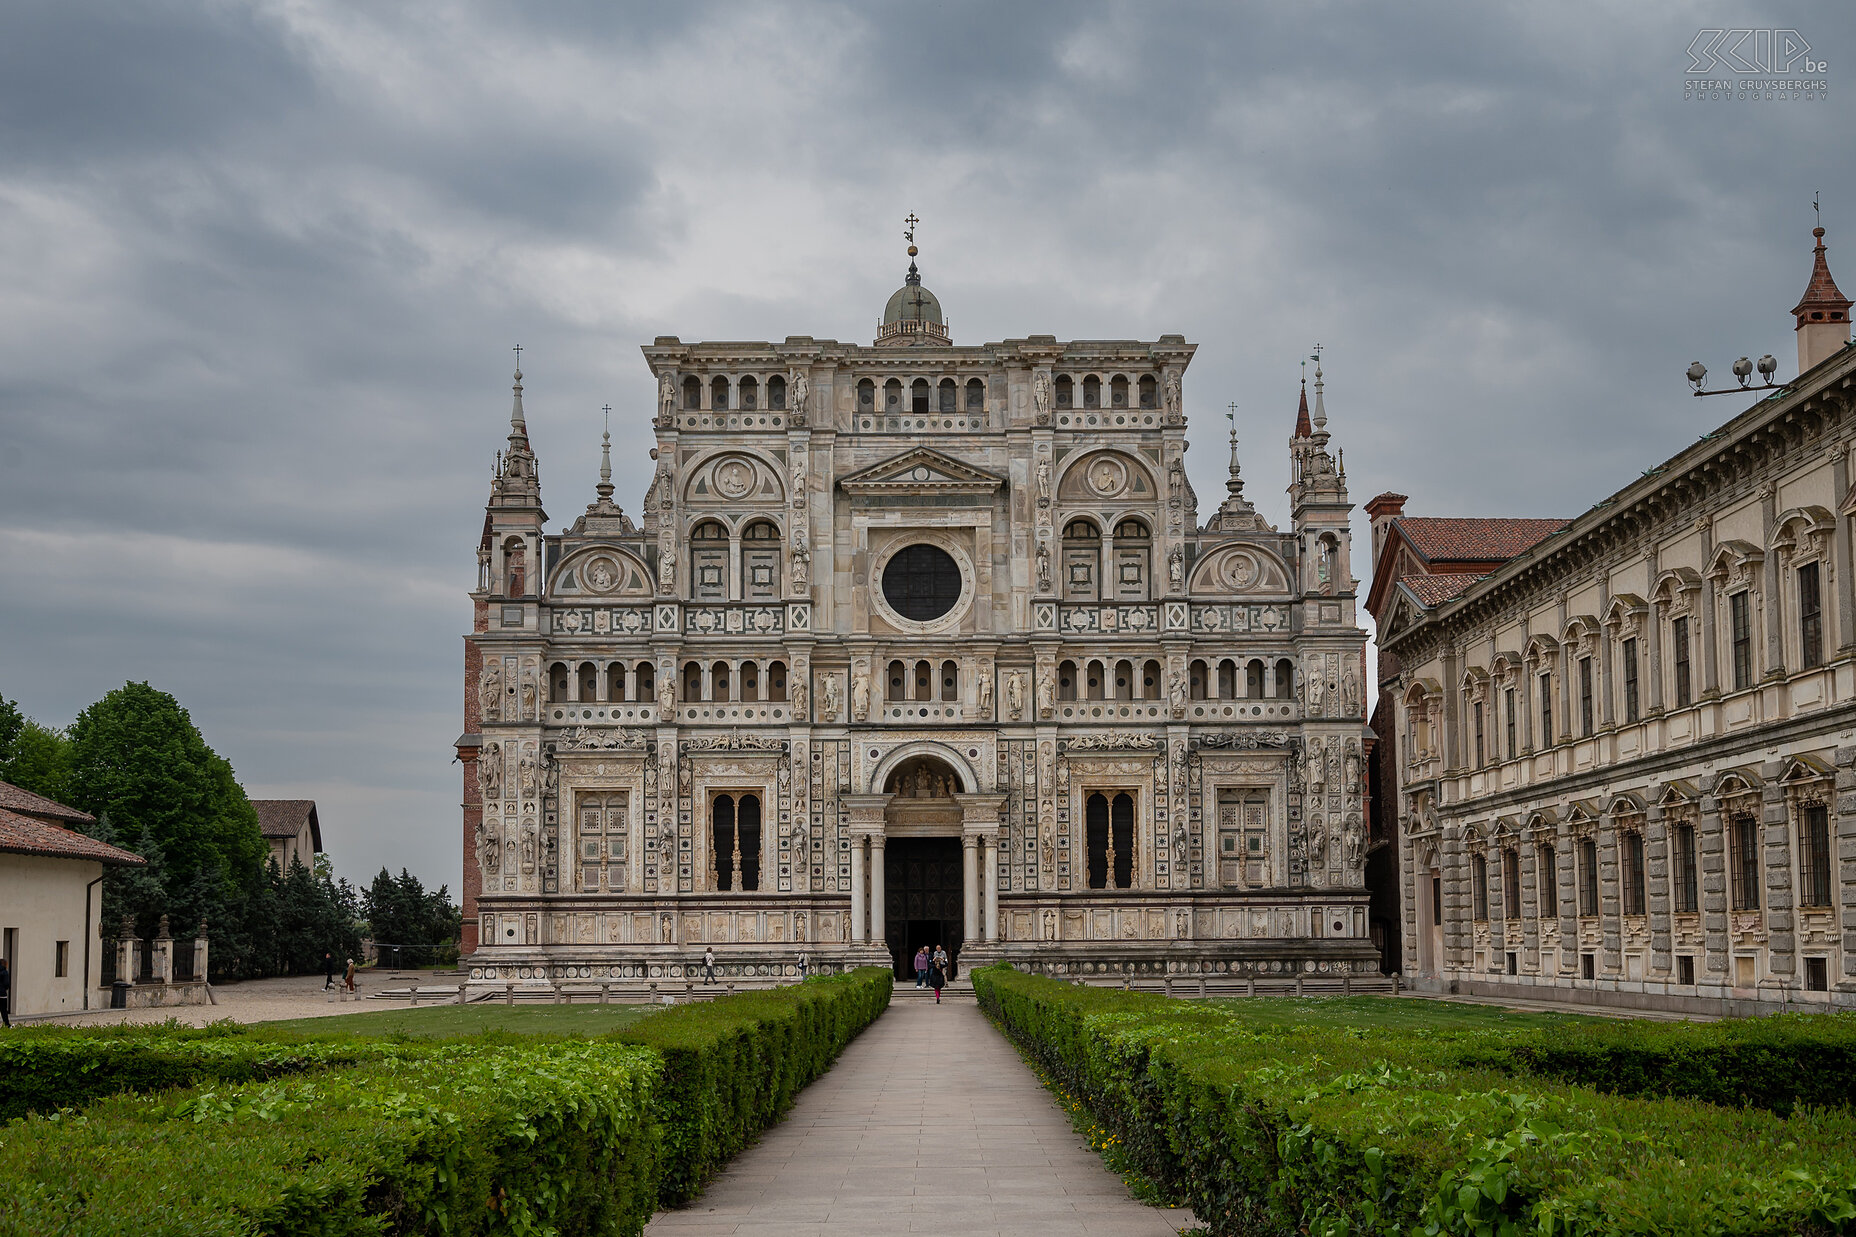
(916, 642)
(1625, 745)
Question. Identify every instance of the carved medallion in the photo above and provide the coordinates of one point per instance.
(733, 479)
(602, 575)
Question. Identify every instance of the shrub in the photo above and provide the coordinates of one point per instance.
(299, 1136)
(552, 1137)
(43, 1069)
(1330, 1130)
(1777, 1062)
(732, 1067)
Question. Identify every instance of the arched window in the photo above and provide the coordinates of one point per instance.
(950, 680)
(615, 681)
(949, 395)
(1227, 679)
(515, 568)
(1092, 392)
(692, 392)
(976, 395)
(760, 562)
(1150, 681)
(866, 395)
(924, 681)
(1196, 680)
(646, 682)
(1066, 680)
(1109, 830)
(1118, 391)
(1285, 679)
(750, 392)
(558, 682)
(1124, 680)
(734, 835)
(918, 395)
(718, 394)
(1133, 547)
(718, 681)
(1148, 394)
(692, 680)
(776, 680)
(1066, 392)
(776, 392)
(898, 681)
(1082, 557)
(1094, 675)
(750, 681)
(589, 681)
(1253, 679)
(709, 562)
(892, 395)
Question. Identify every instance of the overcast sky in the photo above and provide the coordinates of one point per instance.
(261, 266)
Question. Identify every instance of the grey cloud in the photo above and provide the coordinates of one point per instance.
(265, 263)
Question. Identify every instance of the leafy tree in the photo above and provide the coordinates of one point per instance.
(136, 755)
(32, 756)
(409, 925)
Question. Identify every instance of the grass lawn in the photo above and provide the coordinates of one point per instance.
(452, 1021)
(1388, 1013)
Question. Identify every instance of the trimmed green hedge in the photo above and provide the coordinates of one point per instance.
(1777, 1062)
(457, 1138)
(553, 1137)
(1331, 1131)
(43, 1069)
(732, 1067)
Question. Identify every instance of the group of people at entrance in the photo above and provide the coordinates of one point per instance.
(933, 970)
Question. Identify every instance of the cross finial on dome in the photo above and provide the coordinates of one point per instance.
(604, 488)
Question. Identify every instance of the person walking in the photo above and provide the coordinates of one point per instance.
(936, 976)
(6, 995)
(328, 970)
(348, 977)
(921, 967)
(708, 964)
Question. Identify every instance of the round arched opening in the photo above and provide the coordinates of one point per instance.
(921, 582)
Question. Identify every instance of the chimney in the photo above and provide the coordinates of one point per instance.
(1383, 510)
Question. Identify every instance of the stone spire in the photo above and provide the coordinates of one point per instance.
(602, 514)
(1823, 313)
(1235, 514)
(518, 481)
(1302, 428)
(1321, 409)
(604, 488)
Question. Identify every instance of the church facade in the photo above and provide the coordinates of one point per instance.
(916, 643)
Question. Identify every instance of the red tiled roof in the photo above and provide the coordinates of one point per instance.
(22, 835)
(1434, 590)
(281, 818)
(16, 799)
(1821, 292)
(1476, 539)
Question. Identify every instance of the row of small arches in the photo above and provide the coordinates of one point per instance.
(1065, 391)
(920, 681)
(750, 681)
(922, 397)
(1222, 680)
(746, 392)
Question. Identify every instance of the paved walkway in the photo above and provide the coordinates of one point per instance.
(929, 1123)
(263, 1000)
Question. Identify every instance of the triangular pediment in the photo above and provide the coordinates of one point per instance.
(922, 470)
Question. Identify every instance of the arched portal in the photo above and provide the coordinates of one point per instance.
(923, 904)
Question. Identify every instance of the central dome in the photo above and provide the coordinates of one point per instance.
(913, 315)
(912, 302)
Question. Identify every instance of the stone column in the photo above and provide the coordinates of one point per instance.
(857, 889)
(199, 952)
(991, 899)
(879, 908)
(126, 960)
(1711, 858)
(970, 886)
(1610, 895)
(1657, 874)
(1776, 875)
(163, 945)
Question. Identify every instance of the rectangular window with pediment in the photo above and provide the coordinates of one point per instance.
(1588, 878)
(1743, 861)
(1546, 864)
(1814, 855)
(1810, 618)
(1684, 870)
(601, 840)
(1514, 748)
(1631, 872)
(1740, 618)
(1627, 653)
